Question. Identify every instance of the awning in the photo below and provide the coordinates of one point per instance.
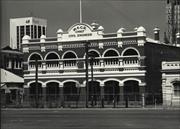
(9, 77)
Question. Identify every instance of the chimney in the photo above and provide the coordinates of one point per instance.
(156, 33)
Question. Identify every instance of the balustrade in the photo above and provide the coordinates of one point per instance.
(123, 62)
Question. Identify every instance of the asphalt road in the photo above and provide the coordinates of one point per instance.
(90, 119)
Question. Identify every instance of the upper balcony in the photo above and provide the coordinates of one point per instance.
(78, 64)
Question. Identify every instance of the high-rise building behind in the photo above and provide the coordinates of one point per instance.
(34, 27)
(173, 20)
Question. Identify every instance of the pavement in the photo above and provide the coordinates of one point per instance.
(91, 118)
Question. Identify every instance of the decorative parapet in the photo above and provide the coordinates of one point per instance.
(171, 65)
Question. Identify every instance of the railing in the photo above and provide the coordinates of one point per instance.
(131, 62)
(79, 100)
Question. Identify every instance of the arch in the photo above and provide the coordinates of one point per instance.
(51, 52)
(28, 84)
(34, 54)
(70, 91)
(94, 91)
(110, 49)
(130, 48)
(111, 91)
(49, 81)
(131, 79)
(175, 80)
(69, 51)
(93, 50)
(52, 89)
(131, 90)
(70, 80)
(111, 79)
(84, 82)
(85, 24)
(33, 90)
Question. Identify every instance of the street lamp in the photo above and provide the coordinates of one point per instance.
(92, 87)
(36, 82)
(86, 64)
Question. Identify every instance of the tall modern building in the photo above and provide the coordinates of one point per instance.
(34, 27)
(173, 20)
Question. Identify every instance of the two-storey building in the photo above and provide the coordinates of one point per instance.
(125, 65)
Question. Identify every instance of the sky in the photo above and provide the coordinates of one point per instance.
(111, 14)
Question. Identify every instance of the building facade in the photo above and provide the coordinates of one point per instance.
(123, 66)
(171, 83)
(34, 27)
(173, 20)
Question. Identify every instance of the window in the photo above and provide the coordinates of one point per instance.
(177, 89)
(17, 30)
(35, 31)
(28, 30)
(44, 31)
(39, 31)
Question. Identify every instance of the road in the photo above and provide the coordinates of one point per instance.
(90, 119)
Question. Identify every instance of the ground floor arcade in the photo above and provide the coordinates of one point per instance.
(54, 93)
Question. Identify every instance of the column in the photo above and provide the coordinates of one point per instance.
(102, 94)
(61, 92)
(10, 63)
(121, 92)
(44, 96)
(142, 96)
(82, 99)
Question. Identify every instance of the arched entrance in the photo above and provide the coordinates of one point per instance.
(35, 94)
(52, 93)
(94, 92)
(70, 91)
(131, 90)
(111, 91)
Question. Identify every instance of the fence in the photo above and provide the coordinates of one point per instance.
(81, 101)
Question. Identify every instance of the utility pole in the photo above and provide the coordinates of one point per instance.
(92, 87)
(86, 64)
(36, 83)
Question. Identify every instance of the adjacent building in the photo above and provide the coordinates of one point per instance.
(32, 26)
(11, 76)
(171, 83)
(124, 65)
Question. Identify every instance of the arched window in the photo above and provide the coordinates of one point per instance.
(130, 52)
(131, 57)
(52, 60)
(94, 54)
(32, 59)
(35, 56)
(111, 57)
(71, 59)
